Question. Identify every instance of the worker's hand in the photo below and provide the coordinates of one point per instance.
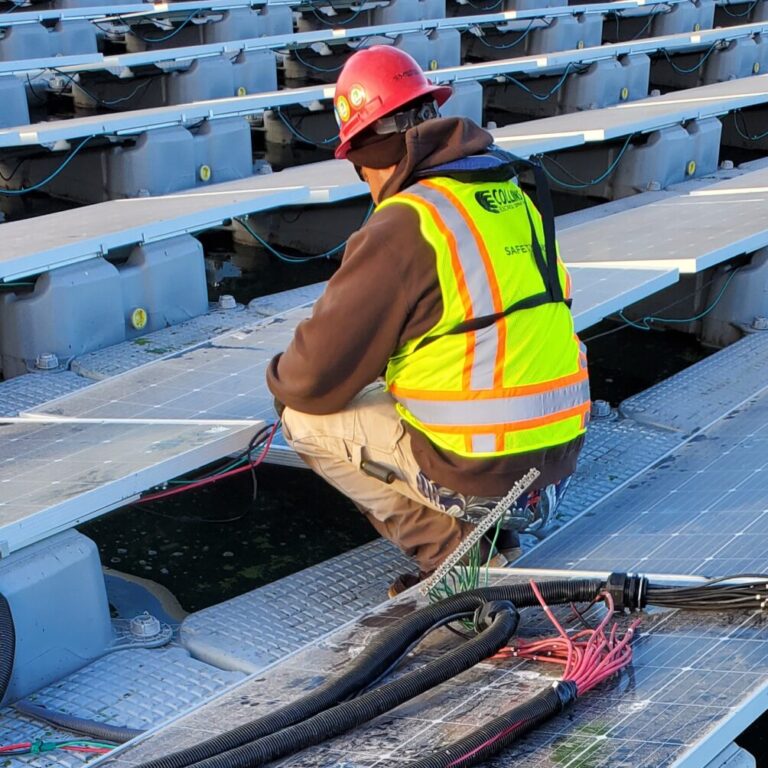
(279, 408)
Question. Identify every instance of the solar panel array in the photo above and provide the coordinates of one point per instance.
(675, 704)
(703, 510)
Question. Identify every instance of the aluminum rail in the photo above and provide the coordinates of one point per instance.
(52, 133)
(36, 245)
(122, 64)
(133, 10)
(502, 20)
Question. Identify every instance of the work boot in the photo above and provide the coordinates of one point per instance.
(406, 581)
(508, 544)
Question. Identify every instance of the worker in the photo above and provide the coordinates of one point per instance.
(454, 290)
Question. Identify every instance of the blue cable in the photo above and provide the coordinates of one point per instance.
(644, 28)
(750, 8)
(689, 70)
(487, 7)
(314, 67)
(743, 133)
(503, 46)
(644, 324)
(52, 176)
(162, 39)
(302, 137)
(112, 102)
(551, 92)
(297, 259)
(331, 23)
(584, 184)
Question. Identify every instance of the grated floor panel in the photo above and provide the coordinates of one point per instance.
(33, 389)
(691, 399)
(253, 630)
(615, 451)
(138, 689)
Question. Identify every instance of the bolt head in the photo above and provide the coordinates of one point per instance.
(760, 323)
(726, 165)
(601, 409)
(227, 301)
(46, 361)
(145, 625)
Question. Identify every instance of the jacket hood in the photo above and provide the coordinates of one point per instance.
(433, 143)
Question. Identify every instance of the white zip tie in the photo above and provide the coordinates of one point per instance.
(501, 508)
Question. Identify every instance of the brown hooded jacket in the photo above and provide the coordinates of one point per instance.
(386, 292)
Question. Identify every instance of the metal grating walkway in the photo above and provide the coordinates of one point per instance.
(690, 400)
(137, 688)
(253, 630)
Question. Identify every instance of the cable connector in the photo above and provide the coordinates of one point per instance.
(628, 591)
(486, 613)
(567, 691)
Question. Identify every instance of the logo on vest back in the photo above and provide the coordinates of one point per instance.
(499, 199)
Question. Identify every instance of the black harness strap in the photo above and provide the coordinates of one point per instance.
(546, 262)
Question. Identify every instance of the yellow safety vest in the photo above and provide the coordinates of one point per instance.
(519, 383)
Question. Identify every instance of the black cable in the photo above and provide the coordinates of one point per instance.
(163, 38)
(395, 664)
(491, 738)
(116, 733)
(344, 717)
(7, 645)
(715, 594)
(14, 171)
(378, 657)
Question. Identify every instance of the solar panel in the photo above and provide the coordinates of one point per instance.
(45, 242)
(685, 697)
(697, 241)
(53, 476)
(701, 511)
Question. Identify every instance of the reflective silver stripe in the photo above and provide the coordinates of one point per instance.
(483, 443)
(477, 280)
(502, 410)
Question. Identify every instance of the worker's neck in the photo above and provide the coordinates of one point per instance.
(376, 179)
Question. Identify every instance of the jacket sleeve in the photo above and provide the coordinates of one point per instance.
(357, 323)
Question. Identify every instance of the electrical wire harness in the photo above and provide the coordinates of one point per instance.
(588, 656)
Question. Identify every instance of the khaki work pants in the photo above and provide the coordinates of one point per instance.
(369, 428)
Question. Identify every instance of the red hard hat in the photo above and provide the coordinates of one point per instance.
(374, 83)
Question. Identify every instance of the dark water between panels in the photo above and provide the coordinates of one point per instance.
(212, 544)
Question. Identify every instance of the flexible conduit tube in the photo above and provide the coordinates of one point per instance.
(7, 645)
(375, 660)
(115, 733)
(350, 714)
(492, 738)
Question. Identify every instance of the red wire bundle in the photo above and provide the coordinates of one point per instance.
(251, 465)
(25, 748)
(589, 657)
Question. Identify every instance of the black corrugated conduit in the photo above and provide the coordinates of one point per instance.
(117, 733)
(504, 619)
(7, 645)
(382, 652)
(491, 738)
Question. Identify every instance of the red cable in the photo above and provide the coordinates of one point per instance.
(215, 478)
(15, 747)
(492, 740)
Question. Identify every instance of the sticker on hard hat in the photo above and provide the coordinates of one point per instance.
(357, 96)
(342, 109)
